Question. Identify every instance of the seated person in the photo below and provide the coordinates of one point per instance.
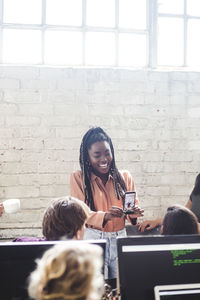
(193, 204)
(70, 272)
(64, 218)
(179, 220)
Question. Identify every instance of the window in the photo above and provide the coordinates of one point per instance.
(178, 39)
(121, 33)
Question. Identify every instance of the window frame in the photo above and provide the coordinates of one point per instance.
(150, 32)
(185, 17)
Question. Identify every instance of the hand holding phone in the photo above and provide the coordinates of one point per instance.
(129, 202)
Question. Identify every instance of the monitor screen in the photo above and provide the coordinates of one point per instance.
(17, 261)
(145, 262)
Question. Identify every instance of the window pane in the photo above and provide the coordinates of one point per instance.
(64, 12)
(193, 42)
(193, 7)
(171, 6)
(100, 13)
(132, 50)
(170, 41)
(63, 47)
(21, 46)
(132, 14)
(100, 48)
(23, 11)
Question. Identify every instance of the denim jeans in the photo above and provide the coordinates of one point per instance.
(110, 270)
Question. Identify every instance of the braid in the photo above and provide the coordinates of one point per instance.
(119, 183)
(93, 135)
(85, 168)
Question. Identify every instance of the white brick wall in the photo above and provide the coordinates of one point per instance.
(44, 113)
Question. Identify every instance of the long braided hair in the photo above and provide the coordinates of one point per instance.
(93, 135)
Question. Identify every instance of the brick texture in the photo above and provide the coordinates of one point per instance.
(152, 117)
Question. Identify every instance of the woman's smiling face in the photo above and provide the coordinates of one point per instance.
(100, 157)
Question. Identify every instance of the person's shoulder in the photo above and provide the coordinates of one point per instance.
(77, 175)
(125, 174)
(194, 196)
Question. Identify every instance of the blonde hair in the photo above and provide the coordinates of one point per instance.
(69, 271)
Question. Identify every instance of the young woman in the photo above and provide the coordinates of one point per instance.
(70, 271)
(179, 220)
(102, 187)
(193, 204)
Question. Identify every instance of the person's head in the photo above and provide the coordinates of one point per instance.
(196, 189)
(97, 152)
(71, 271)
(179, 220)
(65, 217)
(97, 156)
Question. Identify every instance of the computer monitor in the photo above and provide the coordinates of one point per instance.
(189, 291)
(147, 261)
(17, 261)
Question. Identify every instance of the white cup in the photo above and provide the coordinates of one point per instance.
(11, 206)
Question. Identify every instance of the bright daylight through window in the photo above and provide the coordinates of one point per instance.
(124, 33)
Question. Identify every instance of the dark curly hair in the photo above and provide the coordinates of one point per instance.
(63, 218)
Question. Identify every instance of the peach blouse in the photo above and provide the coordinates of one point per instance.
(104, 198)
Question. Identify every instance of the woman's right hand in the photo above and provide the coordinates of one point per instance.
(114, 212)
(1, 209)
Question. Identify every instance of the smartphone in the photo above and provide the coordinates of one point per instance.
(129, 202)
